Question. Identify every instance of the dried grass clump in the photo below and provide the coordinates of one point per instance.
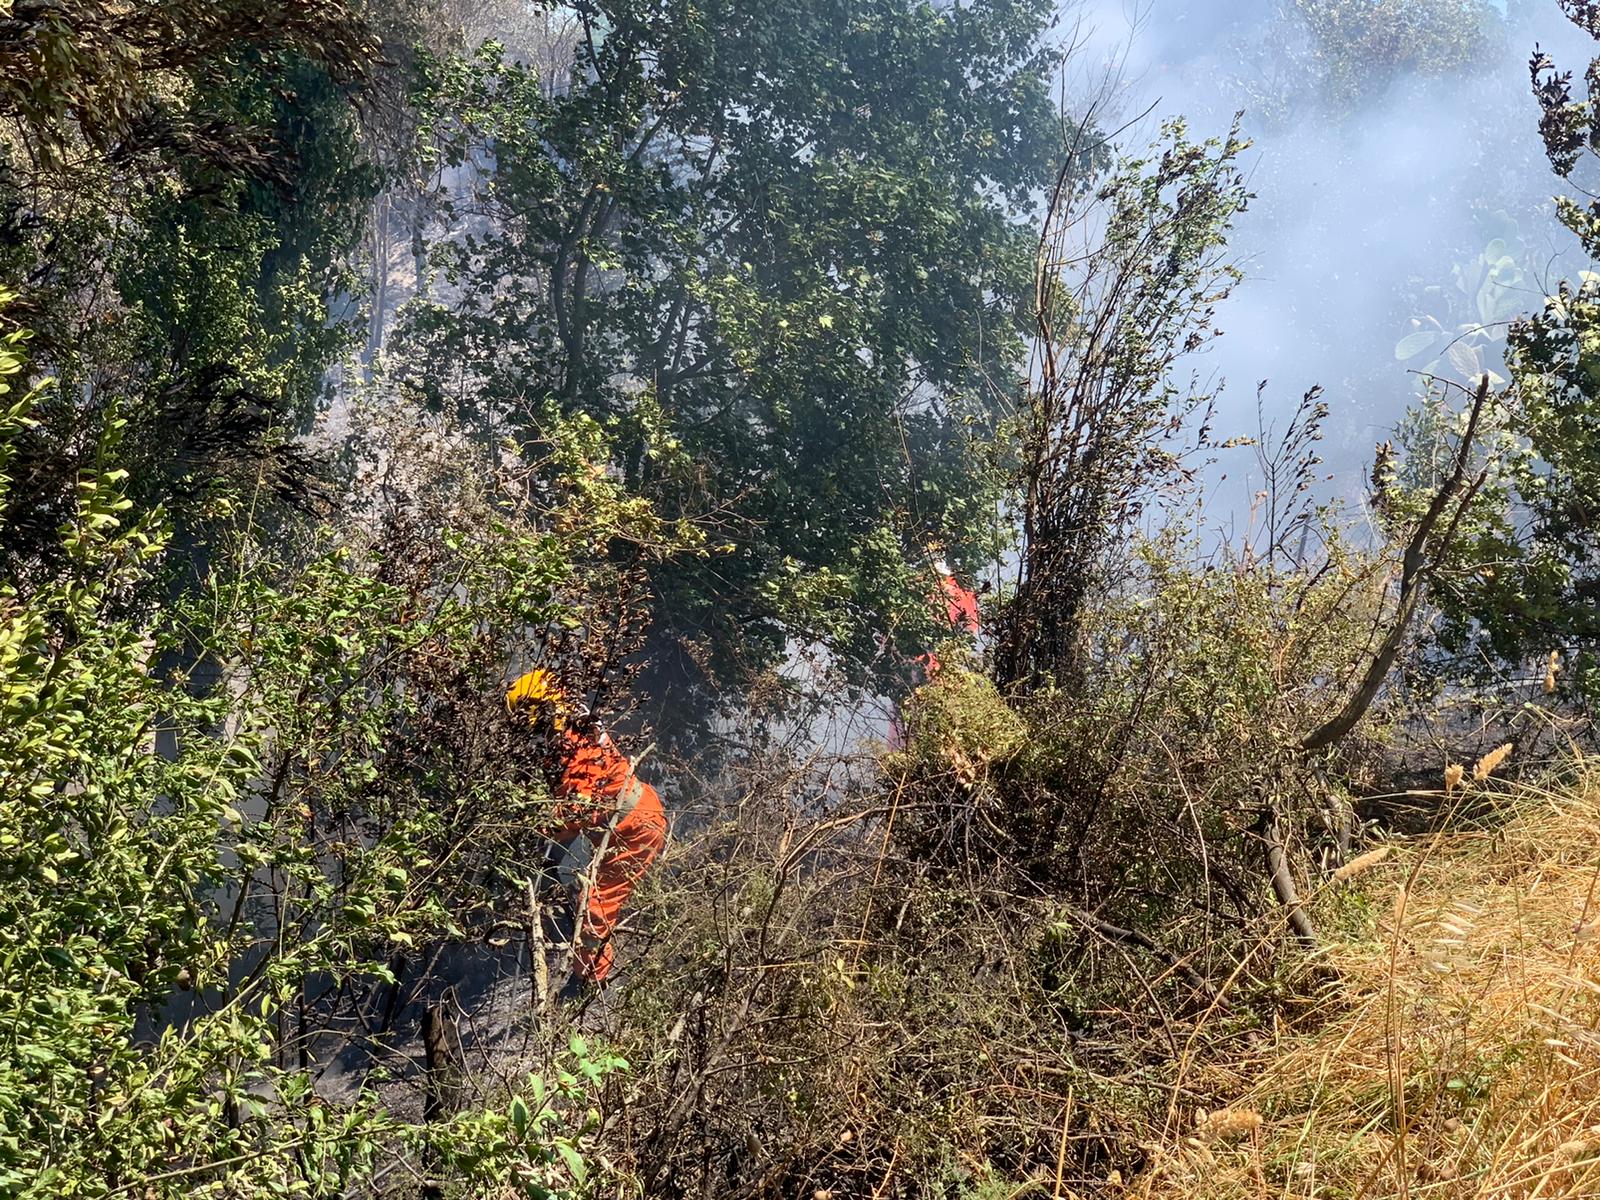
(1361, 863)
(1489, 762)
(1226, 1124)
(1459, 1056)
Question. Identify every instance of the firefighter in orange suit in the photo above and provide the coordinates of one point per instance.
(960, 608)
(597, 794)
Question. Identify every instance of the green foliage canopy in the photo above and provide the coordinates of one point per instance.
(1525, 583)
(796, 233)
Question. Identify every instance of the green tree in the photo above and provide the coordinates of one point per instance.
(180, 191)
(796, 238)
(1525, 584)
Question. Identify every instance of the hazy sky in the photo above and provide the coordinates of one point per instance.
(1363, 205)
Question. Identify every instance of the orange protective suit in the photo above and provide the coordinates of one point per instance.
(598, 792)
(961, 610)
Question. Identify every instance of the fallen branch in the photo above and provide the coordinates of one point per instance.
(1132, 937)
(1283, 885)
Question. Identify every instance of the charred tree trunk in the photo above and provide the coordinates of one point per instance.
(442, 1084)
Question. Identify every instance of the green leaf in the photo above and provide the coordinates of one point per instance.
(574, 1161)
(1414, 344)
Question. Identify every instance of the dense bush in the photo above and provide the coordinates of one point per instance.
(233, 825)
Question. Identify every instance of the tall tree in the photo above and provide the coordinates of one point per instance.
(794, 238)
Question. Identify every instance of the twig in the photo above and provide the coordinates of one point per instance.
(537, 963)
(877, 871)
(1132, 937)
(1061, 1150)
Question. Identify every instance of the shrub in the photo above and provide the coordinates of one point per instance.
(225, 823)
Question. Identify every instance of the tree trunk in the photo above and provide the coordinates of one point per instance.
(441, 1097)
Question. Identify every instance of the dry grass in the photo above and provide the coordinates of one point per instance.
(1460, 1058)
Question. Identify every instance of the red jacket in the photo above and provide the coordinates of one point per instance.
(961, 610)
(961, 605)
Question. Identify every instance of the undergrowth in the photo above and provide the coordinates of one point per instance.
(814, 1017)
(1456, 1059)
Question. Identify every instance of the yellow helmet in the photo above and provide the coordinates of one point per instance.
(537, 688)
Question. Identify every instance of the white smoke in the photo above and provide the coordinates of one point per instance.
(1361, 205)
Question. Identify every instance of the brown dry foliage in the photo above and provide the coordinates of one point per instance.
(1457, 1059)
(817, 1012)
